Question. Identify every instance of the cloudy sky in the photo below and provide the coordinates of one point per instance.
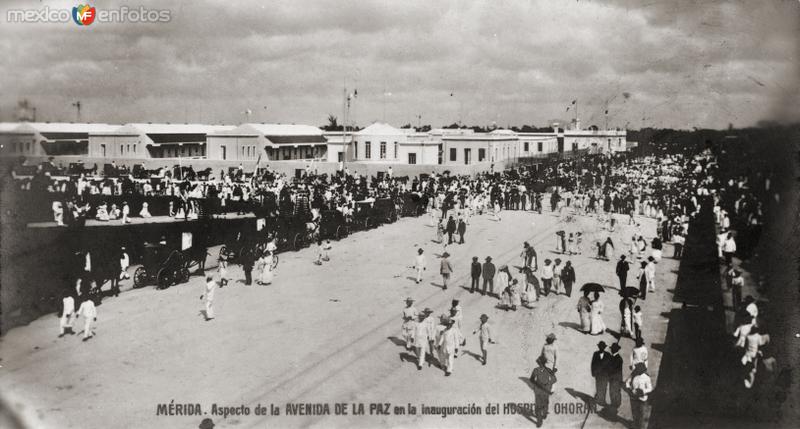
(655, 63)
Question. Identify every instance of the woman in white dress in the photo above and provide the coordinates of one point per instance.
(598, 326)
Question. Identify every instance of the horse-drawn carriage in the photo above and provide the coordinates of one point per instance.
(170, 264)
(333, 224)
(411, 204)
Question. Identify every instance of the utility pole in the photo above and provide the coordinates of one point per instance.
(77, 105)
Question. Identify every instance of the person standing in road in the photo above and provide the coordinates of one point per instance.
(642, 276)
(488, 276)
(68, 315)
(543, 380)
(622, 272)
(550, 352)
(598, 325)
(475, 275)
(410, 313)
(451, 229)
(419, 264)
(599, 361)
(557, 268)
(462, 229)
(449, 343)
(421, 339)
(650, 272)
(736, 290)
(585, 312)
(445, 269)
(547, 276)
(211, 287)
(568, 277)
(89, 313)
(639, 386)
(614, 372)
(485, 338)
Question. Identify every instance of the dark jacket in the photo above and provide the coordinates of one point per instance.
(462, 227)
(488, 270)
(599, 363)
(451, 226)
(614, 368)
(568, 274)
(476, 270)
(622, 268)
(543, 380)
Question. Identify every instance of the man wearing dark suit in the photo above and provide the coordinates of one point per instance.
(451, 229)
(462, 229)
(614, 372)
(488, 276)
(622, 272)
(599, 363)
(475, 272)
(248, 261)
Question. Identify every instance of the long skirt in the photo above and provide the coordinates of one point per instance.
(586, 321)
(598, 325)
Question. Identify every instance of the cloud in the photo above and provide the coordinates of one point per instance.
(683, 63)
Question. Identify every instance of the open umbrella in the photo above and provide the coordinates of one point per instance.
(630, 292)
(592, 287)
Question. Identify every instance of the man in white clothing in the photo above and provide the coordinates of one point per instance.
(89, 313)
(728, 249)
(211, 287)
(419, 264)
(67, 315)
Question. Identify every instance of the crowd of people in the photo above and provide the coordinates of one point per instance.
(612, 190)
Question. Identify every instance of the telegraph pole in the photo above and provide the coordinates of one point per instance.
(77, 105)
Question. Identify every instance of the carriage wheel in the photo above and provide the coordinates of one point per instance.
(298, 241)
(341, 232)
(139, 277)
(163, 279)
(274, 261)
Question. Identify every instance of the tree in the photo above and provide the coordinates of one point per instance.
(406, 126)
(333, 123)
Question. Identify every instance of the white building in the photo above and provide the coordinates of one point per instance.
(48, 138)
(383, 143)
(276, 142)
(152, 141)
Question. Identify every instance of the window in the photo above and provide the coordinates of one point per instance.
(412, 158)
(453, 154)
(121, 149)
(527, 147)
(367, 150)
(539, 146)
(129, 149)
(383, 150)
(574, 146)
(224, 152)
(134, 148)
(481, 155)
(395, 150)
(441, 153)
(467, 156)
(340, 156)
(355, 149)
(102, 151)
(27, 147)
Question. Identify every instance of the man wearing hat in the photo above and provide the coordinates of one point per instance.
(421, 339)
(599, 362)
(485, 336)
(639, 386)
(409, 314)
(543, 380)
(613, 370)
(550, 352)
(488, 276)
(449, 342)
(446, 269)
(475, 273)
